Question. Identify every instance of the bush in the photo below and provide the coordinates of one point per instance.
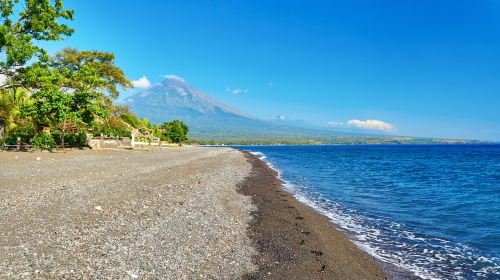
(72, 139)
(42, 141)
(23, 132)
(76, 140)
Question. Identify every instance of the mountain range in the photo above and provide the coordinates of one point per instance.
(209, 119)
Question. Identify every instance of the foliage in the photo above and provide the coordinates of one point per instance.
(90, 71)
(71, 139)
(23, 26)
(70, 92)
(175, 131)
(131, 119)
(114, 126)
(43, 141)
(11, 102)
(22, 132)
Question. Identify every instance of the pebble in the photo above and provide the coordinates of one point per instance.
(205, 237)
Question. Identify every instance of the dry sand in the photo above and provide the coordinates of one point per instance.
(172, 214)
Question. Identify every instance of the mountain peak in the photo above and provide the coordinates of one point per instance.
(174, 78)
(173, 98)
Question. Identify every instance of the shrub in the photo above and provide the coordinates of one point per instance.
(23, 132)
(42, 141)
(72, 139)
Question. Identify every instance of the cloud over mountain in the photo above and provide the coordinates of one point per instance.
(371, 124)
(143, 82)
(174, 77)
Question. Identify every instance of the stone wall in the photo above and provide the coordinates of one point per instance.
(97, 143)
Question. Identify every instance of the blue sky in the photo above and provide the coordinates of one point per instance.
(426, 68)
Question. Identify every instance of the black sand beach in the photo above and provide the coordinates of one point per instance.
(295, 242)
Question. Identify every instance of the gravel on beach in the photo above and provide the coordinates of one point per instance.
(169, 214)
(178, 213)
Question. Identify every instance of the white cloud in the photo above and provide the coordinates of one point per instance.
(174, 77)
(143, 82)
(236, 90)
(281, 117)
(371, 124)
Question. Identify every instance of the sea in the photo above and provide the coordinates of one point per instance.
(432, 210)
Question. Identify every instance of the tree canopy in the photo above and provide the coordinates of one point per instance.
(175, 131)
(70, 92)
(36, 21)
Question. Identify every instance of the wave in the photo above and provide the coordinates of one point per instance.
(425, 256)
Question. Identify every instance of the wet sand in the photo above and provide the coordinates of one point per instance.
(294, 241)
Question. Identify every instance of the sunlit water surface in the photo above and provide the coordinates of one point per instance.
(433, 210)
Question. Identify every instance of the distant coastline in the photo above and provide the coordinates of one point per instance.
(250, 143)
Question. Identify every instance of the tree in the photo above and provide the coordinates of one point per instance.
(92, 80)
(90, 71)
(11, 102)
(68, 91)
(24, 24)
(176, 131)
(79, 88)
(20, 34)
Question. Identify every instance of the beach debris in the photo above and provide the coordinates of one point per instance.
(98, 208)
(38, 158)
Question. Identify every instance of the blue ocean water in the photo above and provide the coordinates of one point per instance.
(431, 209)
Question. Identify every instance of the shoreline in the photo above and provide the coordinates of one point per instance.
(268, 234)
(293, 240)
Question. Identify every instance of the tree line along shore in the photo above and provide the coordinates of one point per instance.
(61, 99)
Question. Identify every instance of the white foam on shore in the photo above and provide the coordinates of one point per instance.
(370, 239)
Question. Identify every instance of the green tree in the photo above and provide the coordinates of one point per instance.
(71, 89)
(11, 102)
(24, 25)
(90, 71)
(91, 79)
(176, 131)
(78, 87)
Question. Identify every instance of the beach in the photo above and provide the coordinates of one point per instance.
(178, 213)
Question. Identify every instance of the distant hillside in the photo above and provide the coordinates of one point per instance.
(209, 119)
(206, 117)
